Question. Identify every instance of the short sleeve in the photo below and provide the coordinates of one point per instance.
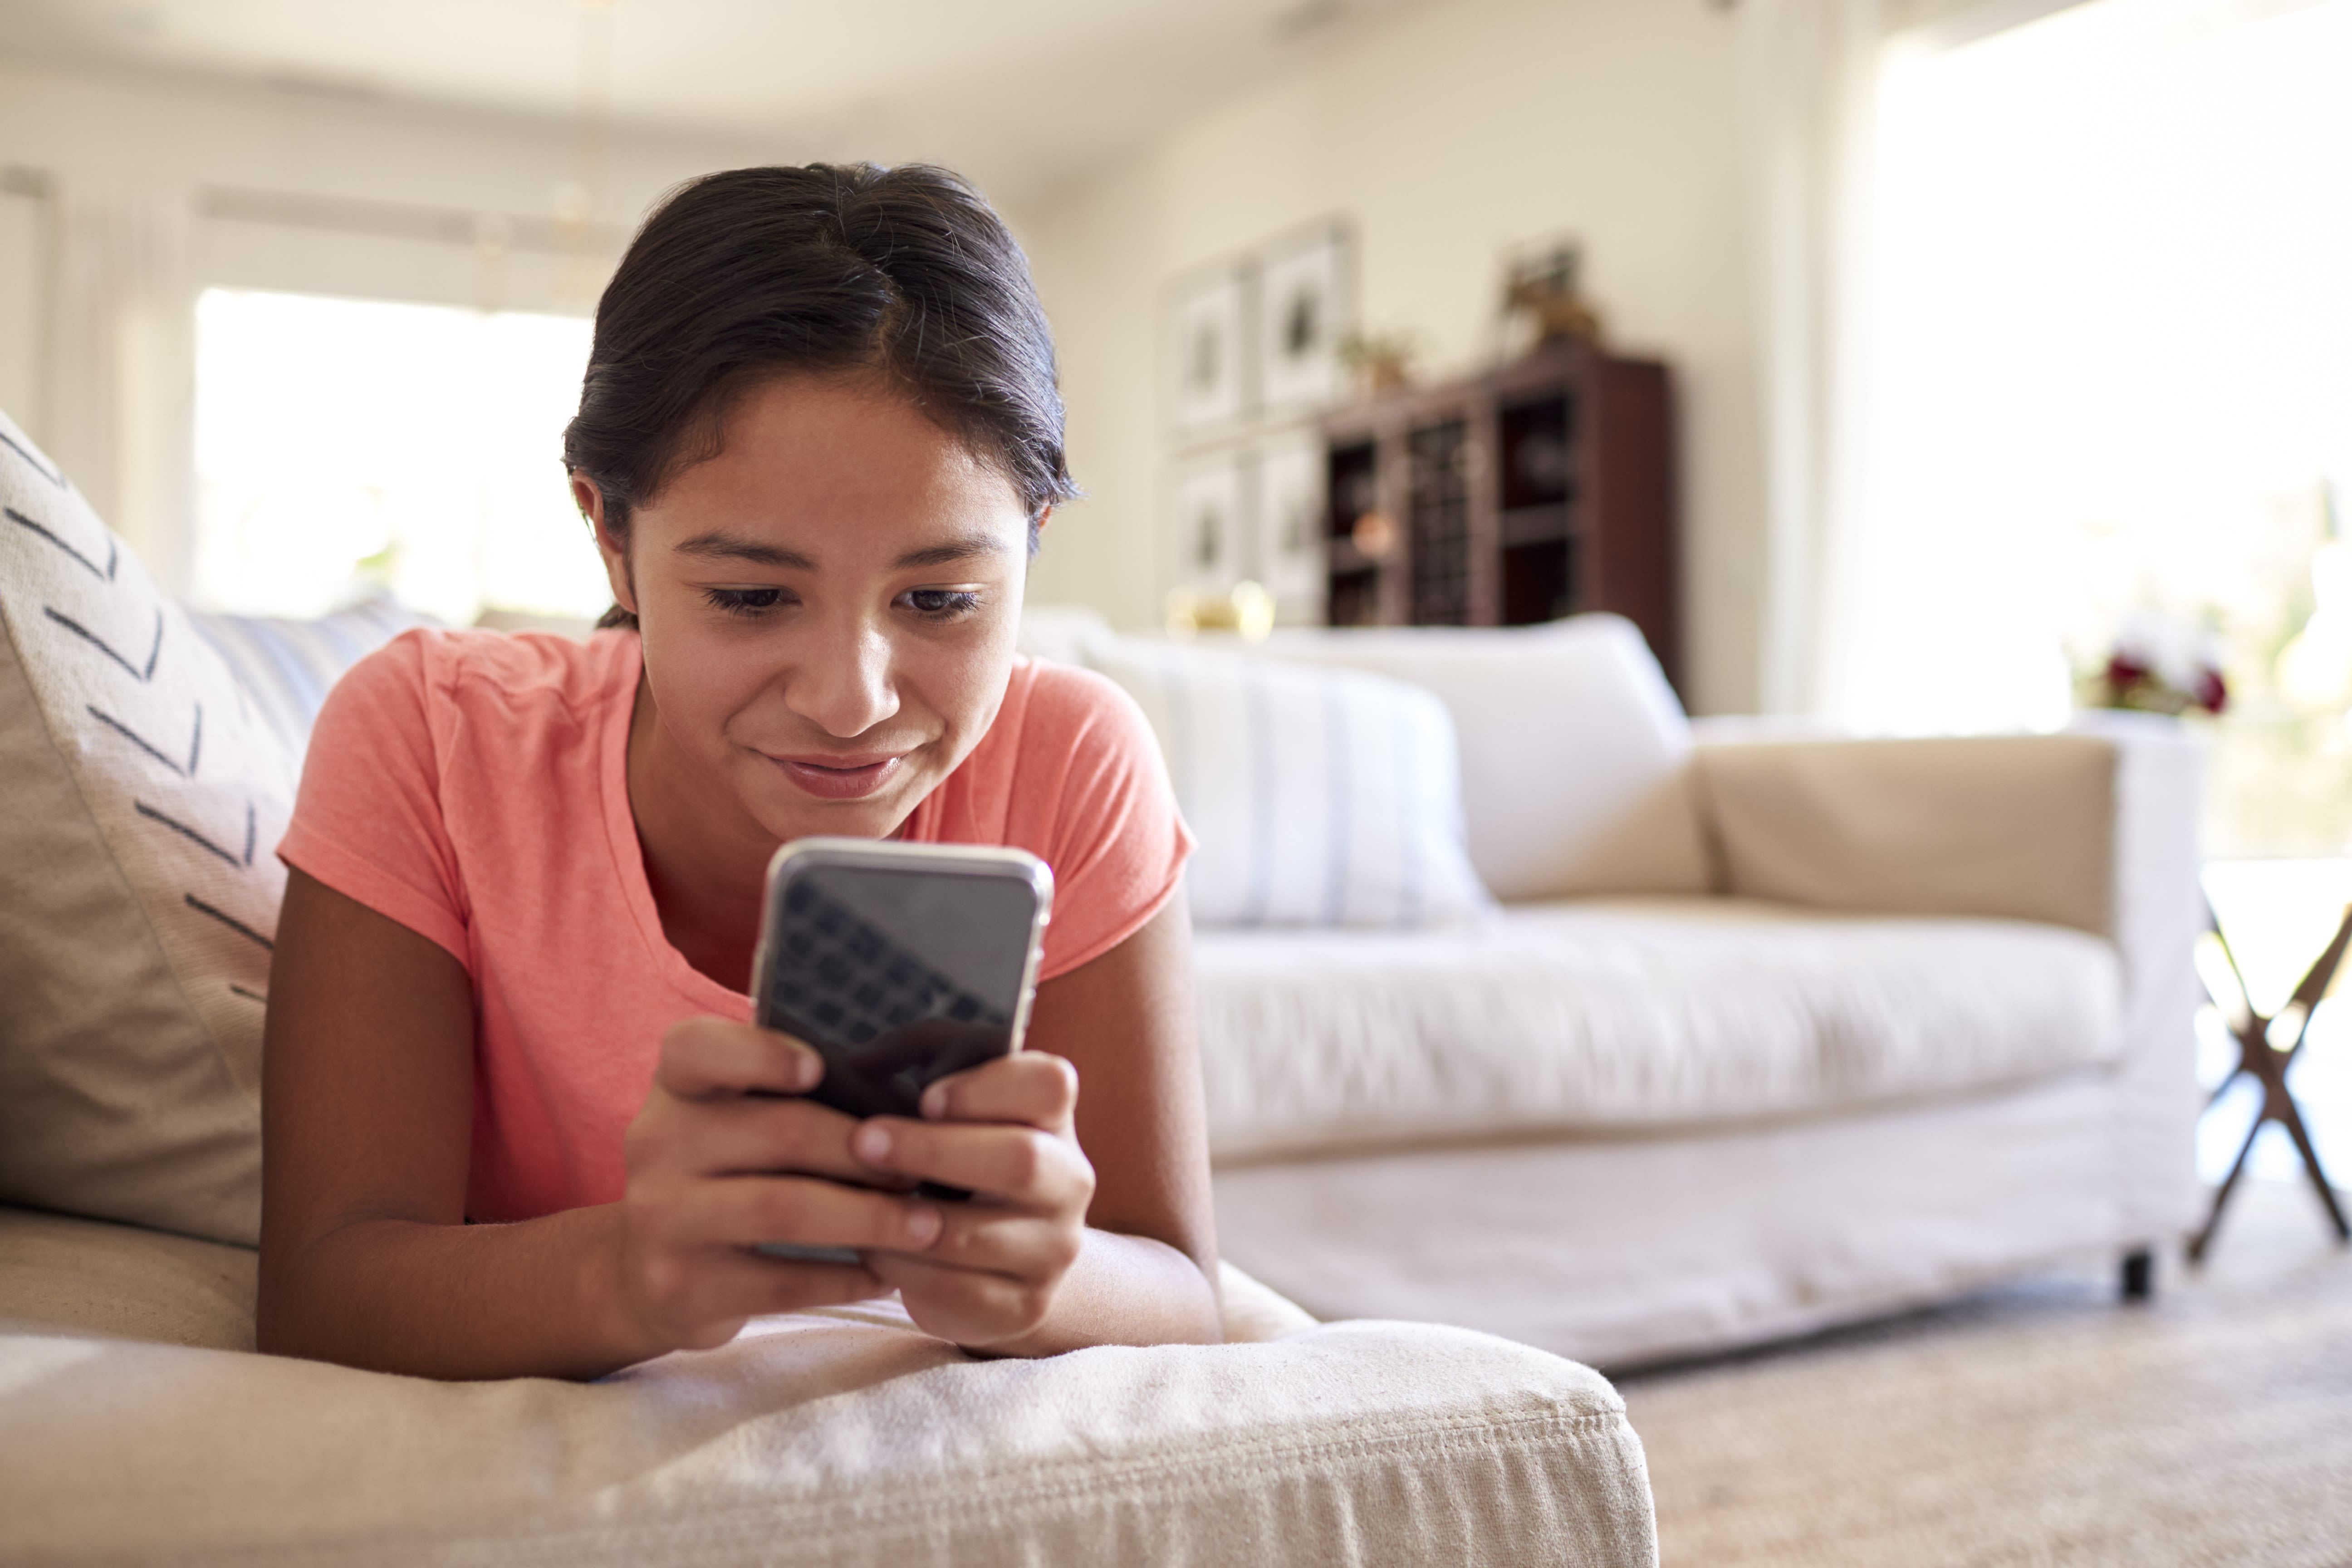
(1090, 797)
(368, 820)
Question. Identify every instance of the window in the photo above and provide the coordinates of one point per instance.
(2112, 376)
(344, 446)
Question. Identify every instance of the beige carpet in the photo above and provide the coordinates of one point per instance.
(2037, 1424)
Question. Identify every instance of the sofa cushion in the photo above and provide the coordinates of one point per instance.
(1575, 753)
(138, 890)
(832, 1438)
(1619, 1016)
(1327, 797)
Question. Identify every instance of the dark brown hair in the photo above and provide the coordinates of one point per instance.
(754, 273)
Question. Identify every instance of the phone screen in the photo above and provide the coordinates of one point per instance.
(897, 978)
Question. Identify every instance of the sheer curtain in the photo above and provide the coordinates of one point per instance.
(2057, 338)
(1809, 71)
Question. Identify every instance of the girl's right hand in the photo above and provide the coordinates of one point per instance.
(726, 1154)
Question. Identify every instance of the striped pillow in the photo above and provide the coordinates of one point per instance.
(1320, 797)
(284, 667)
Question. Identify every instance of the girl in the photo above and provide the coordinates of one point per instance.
(516, 1120)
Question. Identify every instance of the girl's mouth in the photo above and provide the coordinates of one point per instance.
(838, 778)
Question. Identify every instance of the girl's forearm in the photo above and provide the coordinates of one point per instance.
(1125, 1290)
(536, 1298)
(541, 1299)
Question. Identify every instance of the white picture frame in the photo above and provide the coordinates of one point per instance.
(1212, 524)
(1289, 482)
(1306, 310)
(1207, 352)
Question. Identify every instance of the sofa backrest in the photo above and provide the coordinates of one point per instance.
(1576, 756)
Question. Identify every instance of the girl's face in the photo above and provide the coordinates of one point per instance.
(827, 608)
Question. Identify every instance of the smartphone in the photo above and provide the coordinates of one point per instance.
(898, 963)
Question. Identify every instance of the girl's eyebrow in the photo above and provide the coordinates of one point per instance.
(953, 551)
(721, 546)
(718, 546)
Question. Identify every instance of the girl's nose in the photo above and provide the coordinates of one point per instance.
(845, 689)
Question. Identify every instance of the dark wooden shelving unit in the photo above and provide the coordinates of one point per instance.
(1543, 490)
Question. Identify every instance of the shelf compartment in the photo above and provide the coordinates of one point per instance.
(1539, 582)
(1537, 465)
(1534, 525)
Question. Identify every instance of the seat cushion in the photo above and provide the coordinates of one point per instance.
(1628, 1014)
(835, 1438)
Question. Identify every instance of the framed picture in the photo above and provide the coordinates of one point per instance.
(1290, 515)
(1206, 357)
(1212, 527)
(1306, 308)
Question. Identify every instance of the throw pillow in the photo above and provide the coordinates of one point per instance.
(1576, 757)
(1320, 797)
(285, 666)
(148, 787)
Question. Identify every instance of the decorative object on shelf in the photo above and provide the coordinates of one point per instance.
(1245, 608)
(1541, 287)
(2161, 665)
(1542, 489)
(1381, 362)
(1374, 535)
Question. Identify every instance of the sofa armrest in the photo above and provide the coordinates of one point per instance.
(2021, 827)
(2096, 829)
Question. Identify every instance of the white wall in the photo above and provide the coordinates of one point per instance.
(1447, 134)
(132, 166)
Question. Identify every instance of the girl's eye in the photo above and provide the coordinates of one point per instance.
(745, 601)
(942, 603)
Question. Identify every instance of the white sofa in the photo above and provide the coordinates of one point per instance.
(149, 761)
(1768, 1034)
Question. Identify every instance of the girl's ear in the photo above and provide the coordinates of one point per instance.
(615, 550)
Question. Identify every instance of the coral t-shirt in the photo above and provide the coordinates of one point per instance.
(474, 787)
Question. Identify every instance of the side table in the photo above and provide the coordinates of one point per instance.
(2265, 1060)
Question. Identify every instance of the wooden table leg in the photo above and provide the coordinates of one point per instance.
(2268, 1064)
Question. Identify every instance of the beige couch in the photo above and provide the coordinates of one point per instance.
(149, 762)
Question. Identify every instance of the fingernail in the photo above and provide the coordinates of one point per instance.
(806, 1070)
(872, 1143)
(922, 1225)
(935, 1101)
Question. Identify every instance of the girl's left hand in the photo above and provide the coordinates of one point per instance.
(1003, 1131)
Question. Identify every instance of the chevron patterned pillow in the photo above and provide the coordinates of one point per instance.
(147, 786)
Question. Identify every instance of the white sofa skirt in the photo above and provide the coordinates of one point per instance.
(836, 1437)
(1620, 1250)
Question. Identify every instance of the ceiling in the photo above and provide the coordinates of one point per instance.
(1022, 94)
